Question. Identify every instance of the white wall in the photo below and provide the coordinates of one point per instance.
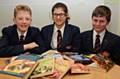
(79, 10)
(114, 25)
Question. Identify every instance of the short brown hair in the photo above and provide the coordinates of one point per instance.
(102, 10)
(22, 8)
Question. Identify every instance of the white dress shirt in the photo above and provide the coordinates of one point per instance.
(19, 34)
(54, 36)
(101, 36)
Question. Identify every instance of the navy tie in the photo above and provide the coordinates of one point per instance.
(59, 39)
(21, 38)
(97, 44)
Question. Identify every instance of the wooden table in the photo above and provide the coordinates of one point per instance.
(96, 73)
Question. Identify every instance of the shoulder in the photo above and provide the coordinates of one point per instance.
(72, 26)
(86, 32)
(47, 28)
(112, 35)
(9, 29)
(33, 28)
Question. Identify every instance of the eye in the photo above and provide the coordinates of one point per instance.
(20, 18)
(27, 19)
(101, 21)
(95, 20)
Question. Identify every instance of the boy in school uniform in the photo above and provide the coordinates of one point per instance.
(21, 37)
(99, 39)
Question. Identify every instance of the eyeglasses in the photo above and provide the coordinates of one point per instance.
(60, 14)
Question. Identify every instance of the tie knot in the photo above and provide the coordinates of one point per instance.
(58, 31)
(21, 37)
(97, 35)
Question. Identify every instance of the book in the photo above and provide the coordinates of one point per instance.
(44, 67)
(61, 67)
(102, 61)
(80, 62)
(79, 68)
(19, 66)
(79, 58)
(62, 64)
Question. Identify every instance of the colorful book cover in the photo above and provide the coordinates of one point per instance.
(44, 67)
(63, 66)
(103, 61)
(19, 65)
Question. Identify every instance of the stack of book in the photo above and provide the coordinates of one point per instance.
(19, 66)
(52, 61)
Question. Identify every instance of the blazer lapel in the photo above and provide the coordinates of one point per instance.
(50, 33)
(89, 41)
(15, 36)
(105, 42)
(28, 35)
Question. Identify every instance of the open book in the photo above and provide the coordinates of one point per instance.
(20, 66)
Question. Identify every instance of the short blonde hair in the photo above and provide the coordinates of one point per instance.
(22, 8)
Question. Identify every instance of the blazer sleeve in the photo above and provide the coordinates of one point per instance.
(76, 41)
(5, 48)
(39, 40)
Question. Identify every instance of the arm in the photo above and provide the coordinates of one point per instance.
(6, 49)
(76, 40)
(40, 48)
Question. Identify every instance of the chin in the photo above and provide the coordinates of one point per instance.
(23, 30)
(98, 31)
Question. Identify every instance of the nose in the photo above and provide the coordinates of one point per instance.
(97, 23)
(24, 20)
(58, 16)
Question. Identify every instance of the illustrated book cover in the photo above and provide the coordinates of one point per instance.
(103, 62)
(44, 67)
(19, 66)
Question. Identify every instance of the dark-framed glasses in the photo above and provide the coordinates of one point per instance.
(59, 14)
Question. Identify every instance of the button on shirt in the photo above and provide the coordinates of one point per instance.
(54, 36)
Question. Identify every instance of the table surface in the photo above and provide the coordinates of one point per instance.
(95, 73)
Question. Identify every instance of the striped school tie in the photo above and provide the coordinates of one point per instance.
(59, 39)
(97, 44)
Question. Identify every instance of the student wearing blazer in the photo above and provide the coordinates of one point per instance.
(108, 41)
(11, 42)
(70, 33)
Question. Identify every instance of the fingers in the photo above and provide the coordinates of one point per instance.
(30, 46)
(55, 74)
(80, 66)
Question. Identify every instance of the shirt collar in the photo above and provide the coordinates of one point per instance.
(62, 29)
(19, 33)
(101, 33)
